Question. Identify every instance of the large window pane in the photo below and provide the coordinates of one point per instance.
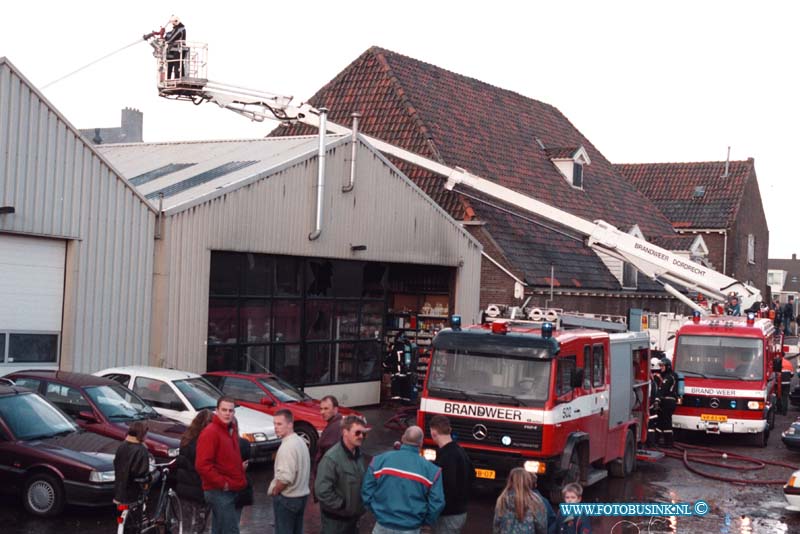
(371, 320)
(2, 347)
(286, 362)
(222, 321)
(346, 320)
(348, 278)
(345, 359)
(255, 319)
(319, 278)
(287, 320)
(319, 317)
(288, 276)
(222, 359)
(256, 359)
(257, 273)
(369, 360)
(375, 280)
(33, 348)
(225, 273)
(318, 363)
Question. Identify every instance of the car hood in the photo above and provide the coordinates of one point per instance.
(160, 429)
(88, 448)
(251, 421)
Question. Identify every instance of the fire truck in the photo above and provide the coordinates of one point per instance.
(731, 368)
(567, 404)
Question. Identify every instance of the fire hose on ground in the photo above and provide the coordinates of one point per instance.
(719, 458)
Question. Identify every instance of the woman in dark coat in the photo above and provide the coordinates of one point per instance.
(195, 511)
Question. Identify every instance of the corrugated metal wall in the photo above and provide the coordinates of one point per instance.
(386, 212)
(60, 187)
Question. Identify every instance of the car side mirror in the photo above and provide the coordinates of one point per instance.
(89, 417)
(577, 378)
(266, 401)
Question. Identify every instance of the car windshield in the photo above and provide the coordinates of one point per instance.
(119, 404)
(731, 358)
(284, 391)
(200, 393)
(480, 375)
(30, 417)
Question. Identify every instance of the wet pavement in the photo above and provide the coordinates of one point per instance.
(734, 509)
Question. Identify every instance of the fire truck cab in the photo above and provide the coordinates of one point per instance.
(732, 380)
(568, 405)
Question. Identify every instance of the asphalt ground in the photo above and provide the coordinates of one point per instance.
(744, 508)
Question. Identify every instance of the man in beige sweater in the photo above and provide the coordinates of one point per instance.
(289, 488)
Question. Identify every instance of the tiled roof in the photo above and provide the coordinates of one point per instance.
(692, 195)
(675, 242)
(561, 152)
(494, 133)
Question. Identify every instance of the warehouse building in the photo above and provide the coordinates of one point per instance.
(76, 244)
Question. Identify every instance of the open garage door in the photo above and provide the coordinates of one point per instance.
(31, 300)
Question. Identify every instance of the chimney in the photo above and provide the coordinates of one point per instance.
(131, 126)
(794, 257)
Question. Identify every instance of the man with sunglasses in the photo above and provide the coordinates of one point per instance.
(338, 482)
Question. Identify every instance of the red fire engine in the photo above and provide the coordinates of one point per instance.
(732, 381)
(569, 405)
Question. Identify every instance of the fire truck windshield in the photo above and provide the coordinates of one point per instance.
(499, 379)
(731, 358)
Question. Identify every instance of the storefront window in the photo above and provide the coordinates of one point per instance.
(371, 320)
(286, 363)
(369, 360)
(32, 348)
(288, 277)
(223, 321)
(256, 359)
(318, 363)
(319, 318)
(222, 359)
(255, 317)
(345, 358)
(257, 273)
(346, 320)
(225, 273)
(287, 320)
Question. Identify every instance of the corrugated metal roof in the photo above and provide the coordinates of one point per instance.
(189, 172)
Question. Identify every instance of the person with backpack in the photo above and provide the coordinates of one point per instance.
(667, 399)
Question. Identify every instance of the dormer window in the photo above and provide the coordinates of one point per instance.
(570, 162)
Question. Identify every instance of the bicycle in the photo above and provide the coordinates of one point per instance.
(136, 518)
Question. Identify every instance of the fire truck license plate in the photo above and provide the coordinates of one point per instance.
(713, 417)
(484, 473)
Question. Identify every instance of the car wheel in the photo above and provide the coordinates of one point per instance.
(308, 434)
(44, 495)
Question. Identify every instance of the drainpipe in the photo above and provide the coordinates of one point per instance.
(323, 119)
(725, 252)
(353, 152)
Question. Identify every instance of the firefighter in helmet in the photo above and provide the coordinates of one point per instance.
(668, 400)
(653, 404)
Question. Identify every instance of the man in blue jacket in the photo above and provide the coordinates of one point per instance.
(402, 489)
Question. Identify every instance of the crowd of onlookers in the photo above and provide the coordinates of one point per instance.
(403, 491)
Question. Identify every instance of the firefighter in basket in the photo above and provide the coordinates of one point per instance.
(667, 400)
(653, 404)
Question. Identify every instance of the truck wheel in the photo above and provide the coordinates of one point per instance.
(771, 418)
(44, 495)
(762, 438)
(308, 434)
(572, 474)
(623, 467)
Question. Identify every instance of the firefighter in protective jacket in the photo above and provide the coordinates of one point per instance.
(653, 404)
(667, 400)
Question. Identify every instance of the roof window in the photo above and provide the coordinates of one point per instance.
(570, 162)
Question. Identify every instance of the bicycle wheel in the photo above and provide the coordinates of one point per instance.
(130, 521)
(173, 520)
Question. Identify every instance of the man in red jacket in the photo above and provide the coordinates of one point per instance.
(219, 464)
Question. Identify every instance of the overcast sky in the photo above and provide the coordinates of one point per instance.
(644, 81)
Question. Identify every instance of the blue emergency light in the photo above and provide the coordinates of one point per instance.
(695, 316)
(547, 330)
(455, 322)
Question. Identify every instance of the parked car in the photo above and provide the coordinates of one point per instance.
(268, 393)
(792, 492)
(180, 395)
(791, 436)
(105, 407)
(48, 459)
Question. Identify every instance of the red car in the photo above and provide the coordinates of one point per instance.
(267, 393)
(103, 406)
